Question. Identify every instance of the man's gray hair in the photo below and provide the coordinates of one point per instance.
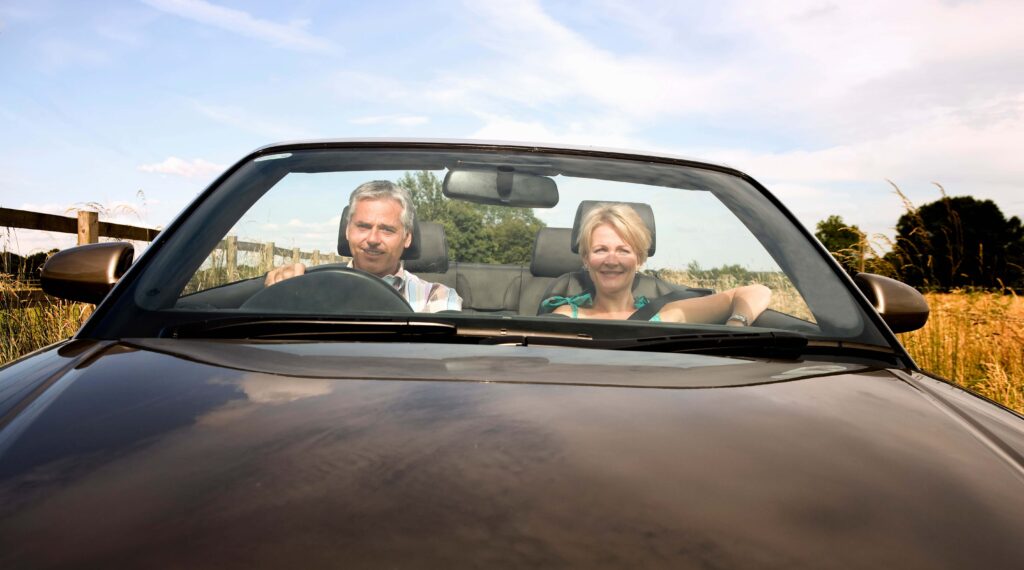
(380, 189)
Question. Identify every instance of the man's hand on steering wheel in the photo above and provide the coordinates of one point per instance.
(331, 289)
(284, 272)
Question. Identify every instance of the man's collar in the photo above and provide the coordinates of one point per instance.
(396, 279)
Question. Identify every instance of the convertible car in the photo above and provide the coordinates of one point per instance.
(255, 390)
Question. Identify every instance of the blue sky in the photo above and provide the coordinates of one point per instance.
(138, 105)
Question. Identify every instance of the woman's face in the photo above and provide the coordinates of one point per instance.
(611, 261)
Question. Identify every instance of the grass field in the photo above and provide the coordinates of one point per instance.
(975, 339)
(24, 328)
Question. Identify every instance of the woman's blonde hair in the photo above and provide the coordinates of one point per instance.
(624, 220)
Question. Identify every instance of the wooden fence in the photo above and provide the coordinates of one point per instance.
(231, 246)
(87, 225)
(89, 229)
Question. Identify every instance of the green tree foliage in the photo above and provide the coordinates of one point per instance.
(476, 232)
(960, 242)
(845, 242)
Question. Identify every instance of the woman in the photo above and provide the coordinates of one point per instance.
(613, 244)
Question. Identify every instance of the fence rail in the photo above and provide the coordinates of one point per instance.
(89, 229)
(86, 225)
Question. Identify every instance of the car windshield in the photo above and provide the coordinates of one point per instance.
(488, 233)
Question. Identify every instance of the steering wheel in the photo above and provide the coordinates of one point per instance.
(329, 289)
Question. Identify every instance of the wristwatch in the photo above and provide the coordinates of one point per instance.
(739, 318)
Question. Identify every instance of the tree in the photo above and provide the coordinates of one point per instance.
(845, 242)
(29, 267)
(960, 242)
(476, 232)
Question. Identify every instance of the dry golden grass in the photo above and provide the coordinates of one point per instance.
(976, 340)
(785, 297)
(24, 327)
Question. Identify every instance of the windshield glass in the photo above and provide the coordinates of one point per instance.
(533, 238)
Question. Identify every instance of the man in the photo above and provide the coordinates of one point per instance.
(378, 229)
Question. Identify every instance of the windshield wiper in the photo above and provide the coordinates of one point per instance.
(763, 344)
(283, 328)
(745, 343)
(778, 344)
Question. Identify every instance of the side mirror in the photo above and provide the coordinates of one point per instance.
(902, 307)
(87, 272)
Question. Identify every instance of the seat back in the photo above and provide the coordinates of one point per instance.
(552, 257)
(433, 257)
(489, 288)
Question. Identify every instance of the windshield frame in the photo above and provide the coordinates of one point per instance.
(119, 314)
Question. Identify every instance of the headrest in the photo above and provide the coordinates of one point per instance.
(411, 252)
(433, 250)
(552, 255)
(643, 210)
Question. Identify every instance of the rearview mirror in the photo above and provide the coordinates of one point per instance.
(902, 307)
(87, 272)
(500, 185)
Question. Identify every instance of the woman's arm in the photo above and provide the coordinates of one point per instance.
(563, 310)
(749, 301)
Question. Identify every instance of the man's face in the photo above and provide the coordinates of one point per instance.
(376, 236)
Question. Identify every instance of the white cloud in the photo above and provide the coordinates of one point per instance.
(25, 242)
(531, 63)
(291, 36)
(834, 73)
(246, 121)
(545, 62)
(601, 133)
(117, 211)
(197, 167)
(951, 147)
(28, 242)
(397, 120)
(50, 208)
(849, 71)
(331, 224)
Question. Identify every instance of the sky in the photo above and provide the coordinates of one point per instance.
(135, 107)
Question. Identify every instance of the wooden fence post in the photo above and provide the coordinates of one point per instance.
(268, 257)
(316, 257)
(88, 227)
(231, 245)
(295, 255)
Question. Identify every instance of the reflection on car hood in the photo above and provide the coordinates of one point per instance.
(474, 363)
(191, 453)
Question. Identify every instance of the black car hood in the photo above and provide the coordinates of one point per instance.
(171, 453)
